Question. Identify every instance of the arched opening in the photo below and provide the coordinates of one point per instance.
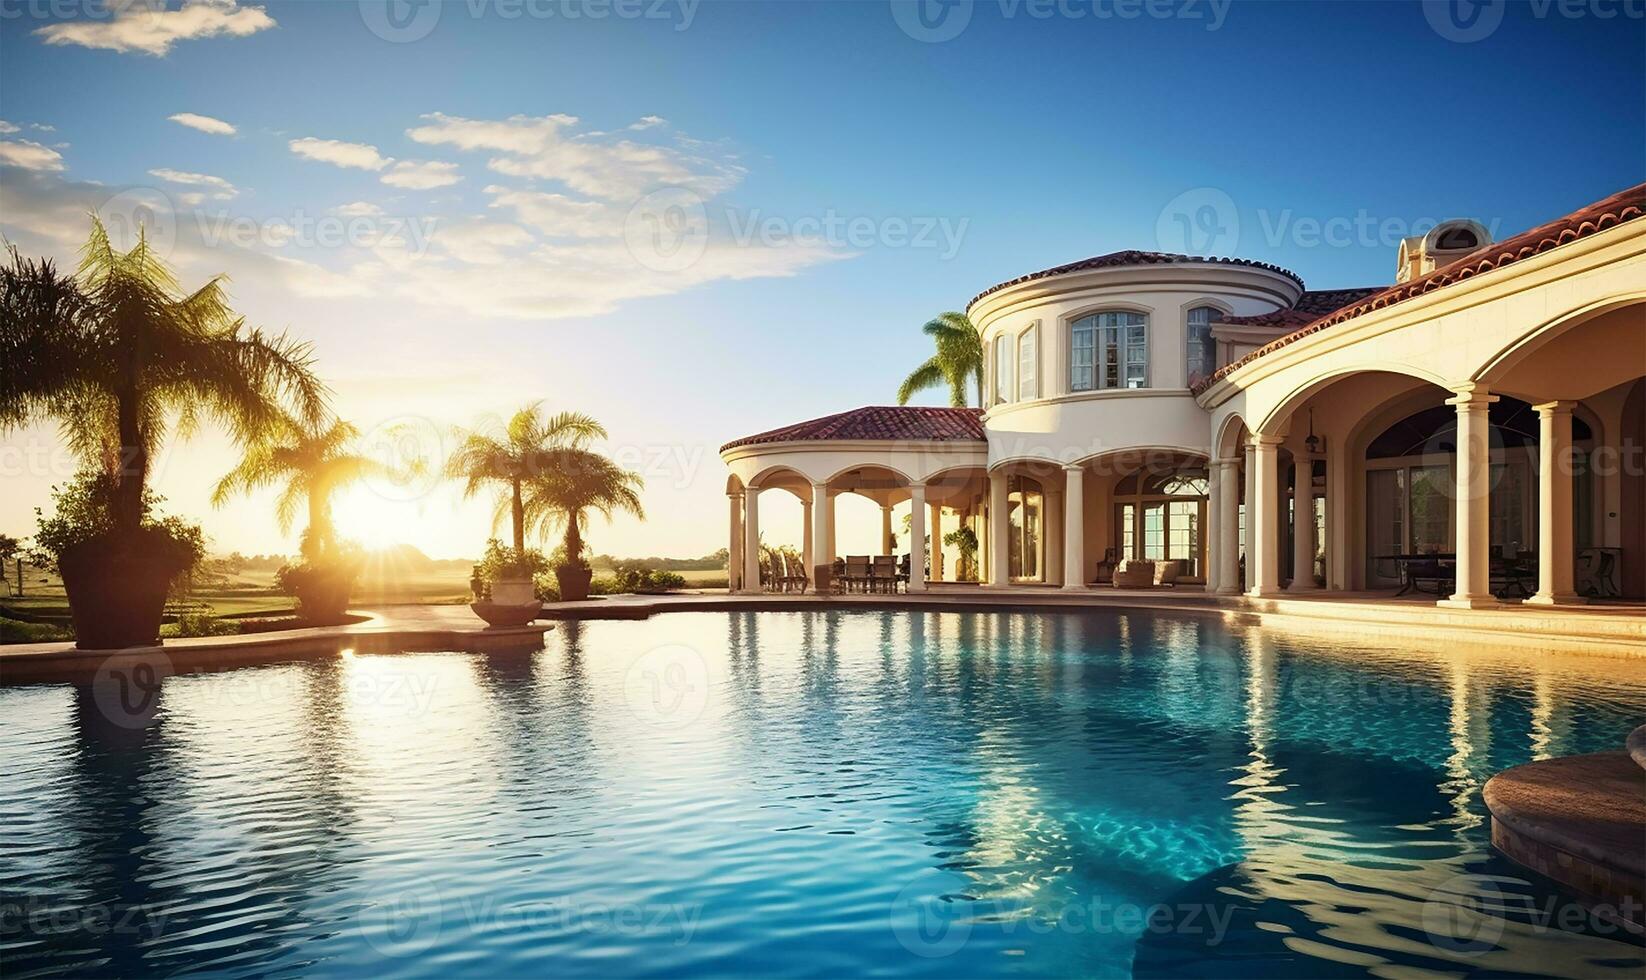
(1161, 515)
(1026, 529)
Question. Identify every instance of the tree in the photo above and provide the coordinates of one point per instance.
(315, 460)
(524, 452)
(119, 358)
(10, 547)
(577, 481)
(958, 361)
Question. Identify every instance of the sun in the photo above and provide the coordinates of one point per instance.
(364, 516)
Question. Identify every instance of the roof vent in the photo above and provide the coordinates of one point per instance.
(1444, 244)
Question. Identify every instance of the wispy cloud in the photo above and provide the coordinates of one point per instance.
(146, 28)
(360, 156)
(29, 155)
(6, 127)
(206, 124)
(421, 175)
(545, 147)
(357, 209)
(648, 122)
(219, 188)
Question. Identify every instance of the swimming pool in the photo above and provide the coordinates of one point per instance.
(806, 793)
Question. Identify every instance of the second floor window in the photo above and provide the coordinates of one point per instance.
(1109, 350)
(1002, 369)
(1202, 349)
(1028, 364)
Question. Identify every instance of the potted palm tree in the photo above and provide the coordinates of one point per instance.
(315, 459)
(118, 356)
(511, 461)
(577, 482)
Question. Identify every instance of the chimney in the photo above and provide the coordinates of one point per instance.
(1444, 244)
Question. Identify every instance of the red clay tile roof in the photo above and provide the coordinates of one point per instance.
(1132, 257)
(1311, 306)
(1606, 213)
(880, 423)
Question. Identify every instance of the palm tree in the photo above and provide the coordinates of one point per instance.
(315, 460)
(119, 357)
(529, 443)
(575, 482)
(959, 360)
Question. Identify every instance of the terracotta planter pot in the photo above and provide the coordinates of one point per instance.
(117, 586)
(574, 582)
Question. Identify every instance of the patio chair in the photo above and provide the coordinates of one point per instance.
(904, 564)
(857, 572)
(1134, 573)
(797, 578)
(837, 575)
(883, 573)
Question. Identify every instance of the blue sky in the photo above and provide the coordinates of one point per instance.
(1041, 133)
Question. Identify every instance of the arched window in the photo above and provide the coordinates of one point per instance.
(1201, 358)
(1109, 350)
(1028, 363)
(1002, 369)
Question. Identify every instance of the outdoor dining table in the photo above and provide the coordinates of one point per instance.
(1513, 574)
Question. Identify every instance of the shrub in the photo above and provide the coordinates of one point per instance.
(635, 576)
(502, 562)
(84, 512)
(199, 624)
(322, 578)
(16, 631)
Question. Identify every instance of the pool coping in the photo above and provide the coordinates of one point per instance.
(420, 628)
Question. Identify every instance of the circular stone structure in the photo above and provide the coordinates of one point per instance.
(1580, 820)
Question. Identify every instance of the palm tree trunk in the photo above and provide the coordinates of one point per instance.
(320, 528)
(574, 537)
(519, 515)
(132, 470)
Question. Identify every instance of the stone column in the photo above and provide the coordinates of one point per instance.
(821, 513)
(1473, 523)
(1263, 513)
(1074, 527)
(1228, 527)
(808, 541)
(1249, 545)
(937, 542)
(917, 538)
(751, 540)
(1554, 507)
(1303, 524)
(1212, 533)
(887, 545)
(734, 550)
(999, 529)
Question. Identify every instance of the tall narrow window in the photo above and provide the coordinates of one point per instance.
(1109, 350)
(1002, 369)
(1202, 349)
(1028, 364)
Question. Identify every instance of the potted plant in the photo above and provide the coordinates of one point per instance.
(322, 579)
(507, 578)
(117, 577)
(576, 482)
(116, 355)
(964, 540)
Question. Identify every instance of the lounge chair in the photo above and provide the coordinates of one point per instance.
(1134, 573)
(797, 578)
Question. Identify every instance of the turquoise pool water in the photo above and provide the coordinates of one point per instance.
(810, 793)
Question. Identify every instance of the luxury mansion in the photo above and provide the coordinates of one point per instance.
(1474, 430)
